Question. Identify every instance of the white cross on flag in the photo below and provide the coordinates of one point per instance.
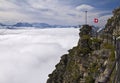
(95, 20)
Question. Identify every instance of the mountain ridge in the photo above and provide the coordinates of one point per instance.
(36, 25)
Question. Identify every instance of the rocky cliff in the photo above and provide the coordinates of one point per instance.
(113, 23)
(82, 64)
(92, 60)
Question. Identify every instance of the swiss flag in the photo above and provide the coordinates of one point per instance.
(95, 20)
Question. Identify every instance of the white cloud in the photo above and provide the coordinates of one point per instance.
(13, 16)
(84, 7)
(28, 56)
(7, 5)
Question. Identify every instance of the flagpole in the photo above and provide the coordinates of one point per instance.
(86, 17)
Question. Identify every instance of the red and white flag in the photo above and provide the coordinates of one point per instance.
(95, 20)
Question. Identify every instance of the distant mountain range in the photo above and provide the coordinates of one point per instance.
(21, 25)
(32, 25)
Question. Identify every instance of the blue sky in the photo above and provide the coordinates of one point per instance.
(63, 12)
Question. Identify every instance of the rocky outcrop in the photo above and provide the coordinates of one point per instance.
(110, 34)
(113, 24)
(81, 64)
(93, 59)
(72, 67)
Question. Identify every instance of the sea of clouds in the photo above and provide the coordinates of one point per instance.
(29, 55)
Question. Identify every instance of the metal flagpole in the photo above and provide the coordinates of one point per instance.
(86, 17)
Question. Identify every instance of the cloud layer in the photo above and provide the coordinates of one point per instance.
(28, 56)
(50, 11)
